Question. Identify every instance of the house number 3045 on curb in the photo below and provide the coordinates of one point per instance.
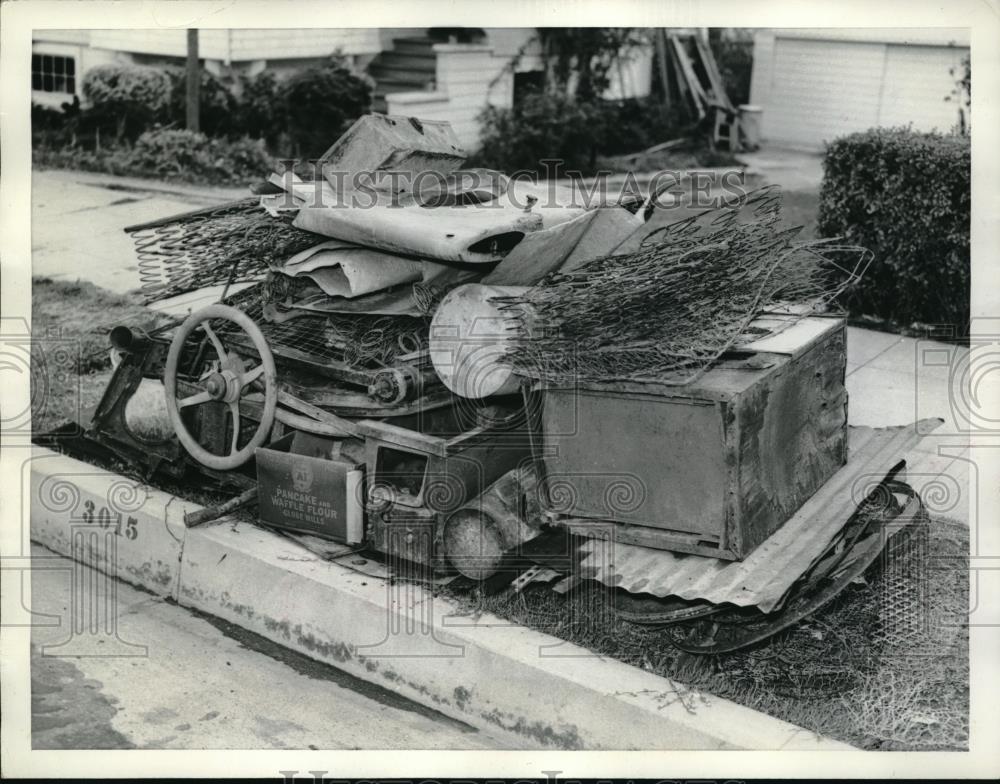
(104, 518)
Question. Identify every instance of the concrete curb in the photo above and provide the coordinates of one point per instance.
(535, 689)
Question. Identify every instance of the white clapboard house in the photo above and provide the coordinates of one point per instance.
(430, 73)
(817, 84)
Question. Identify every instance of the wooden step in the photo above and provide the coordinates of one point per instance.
(382, 87)
(417, 62)
(413, 45)
(382, 73)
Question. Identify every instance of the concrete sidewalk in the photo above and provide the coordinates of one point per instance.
(793, 170)
(896, 380)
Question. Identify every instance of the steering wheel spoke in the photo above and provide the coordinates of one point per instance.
(250, 376)
(195, 400)
(224, 383)
(216, 343)
(234, 410)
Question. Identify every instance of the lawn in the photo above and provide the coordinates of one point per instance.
(71, 361)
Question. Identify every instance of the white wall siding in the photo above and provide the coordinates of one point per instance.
(264, 44)
(813, 88)
(166, 42)
(509, 41)
(243, 44)
(469, 76)
(61, 36)
(632, 76)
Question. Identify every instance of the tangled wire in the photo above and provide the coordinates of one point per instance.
(684, 298)
(375, 341)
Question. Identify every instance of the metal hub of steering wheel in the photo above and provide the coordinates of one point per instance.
(225, 383)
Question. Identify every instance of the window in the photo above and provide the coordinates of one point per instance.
(53, 73)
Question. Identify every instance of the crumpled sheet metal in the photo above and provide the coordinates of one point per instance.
(564, 246)
(471, 233)
(344, 270)
(765, 576)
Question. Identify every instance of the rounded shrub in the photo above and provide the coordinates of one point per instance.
(322, 101)
(907, 197)
(127, 98)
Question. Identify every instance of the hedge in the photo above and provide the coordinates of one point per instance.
(906, 197)
(169, 154)
(300, 116)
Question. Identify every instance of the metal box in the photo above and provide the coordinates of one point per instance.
(712, 467)
(418, 475)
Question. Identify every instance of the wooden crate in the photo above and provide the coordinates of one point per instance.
(713, 467)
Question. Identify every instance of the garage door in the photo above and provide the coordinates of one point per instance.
(917, 79)
(821, 90)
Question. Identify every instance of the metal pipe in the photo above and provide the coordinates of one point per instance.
(126, 339)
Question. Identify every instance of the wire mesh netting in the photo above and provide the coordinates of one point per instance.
(685, 297)
(232, 243)
(882, 666)
(358, 341)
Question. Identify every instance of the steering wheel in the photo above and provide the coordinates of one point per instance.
(225, 383)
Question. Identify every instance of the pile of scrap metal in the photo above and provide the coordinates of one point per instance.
(463, 372)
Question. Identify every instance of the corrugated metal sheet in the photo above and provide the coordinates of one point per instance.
(765, 576)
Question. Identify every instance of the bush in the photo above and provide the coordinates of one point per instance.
(544, 125)
(126, 98)
(552, 125)
(635, 124)
(216, 103)
(263, 110)
(322, 102)
(47, 118)
(168, 154)
(905, 196)
(182, 154)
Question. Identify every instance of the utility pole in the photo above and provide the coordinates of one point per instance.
(193, 79)
(660, 40)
